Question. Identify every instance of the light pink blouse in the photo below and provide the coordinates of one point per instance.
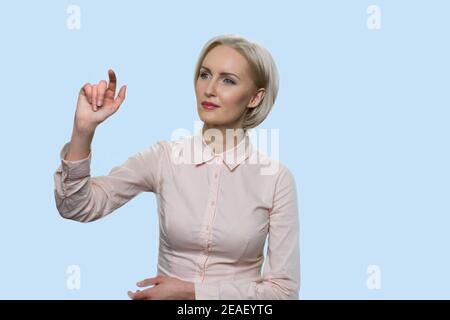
(215, 212)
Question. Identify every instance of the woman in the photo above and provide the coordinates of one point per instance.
(215, 206)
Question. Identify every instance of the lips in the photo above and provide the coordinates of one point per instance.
(209, 105)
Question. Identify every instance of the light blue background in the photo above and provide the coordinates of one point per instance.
(364, 126)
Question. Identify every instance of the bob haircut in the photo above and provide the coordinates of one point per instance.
(263, 71)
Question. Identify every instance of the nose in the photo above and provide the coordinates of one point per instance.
(210, 89)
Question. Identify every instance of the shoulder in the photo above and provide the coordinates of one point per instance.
(270, 166)
(170, 150)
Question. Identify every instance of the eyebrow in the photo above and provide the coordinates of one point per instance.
(222, 73)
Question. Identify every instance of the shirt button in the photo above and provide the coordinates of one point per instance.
(216, 175)
(212, 202)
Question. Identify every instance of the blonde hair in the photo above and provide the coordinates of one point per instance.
(263, 70)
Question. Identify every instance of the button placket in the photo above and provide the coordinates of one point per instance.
(212, 200)
(210, 214)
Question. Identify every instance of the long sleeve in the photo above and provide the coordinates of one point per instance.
(281, 274)
(83, 198)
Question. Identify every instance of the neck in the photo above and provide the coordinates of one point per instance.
(222, 139)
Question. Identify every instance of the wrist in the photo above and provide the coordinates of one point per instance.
(83, 132)
(84, 129)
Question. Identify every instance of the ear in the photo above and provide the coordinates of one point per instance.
(257, 98)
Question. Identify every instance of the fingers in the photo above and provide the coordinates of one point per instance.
(94, 97)
(139, 295)
(104, 93)
(111, 90)
(101, 89)
(87, 89)
(98, 94)
(112, 81)
(132, 294)
(150, 281)
(120, 97)
(147, 293)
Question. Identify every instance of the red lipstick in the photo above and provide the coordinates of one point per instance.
(209, 105)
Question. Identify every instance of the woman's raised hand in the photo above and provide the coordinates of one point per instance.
(97, 102)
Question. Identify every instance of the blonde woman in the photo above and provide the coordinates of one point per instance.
(215, 206)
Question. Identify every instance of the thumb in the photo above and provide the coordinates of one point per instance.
(120, 97)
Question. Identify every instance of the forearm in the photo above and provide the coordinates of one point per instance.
(273, 289)
(80, 144)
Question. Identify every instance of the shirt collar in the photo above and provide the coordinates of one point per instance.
(232, 157)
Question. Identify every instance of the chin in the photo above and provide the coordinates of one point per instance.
(209, 117)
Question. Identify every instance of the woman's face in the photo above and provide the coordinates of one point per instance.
(225, 80)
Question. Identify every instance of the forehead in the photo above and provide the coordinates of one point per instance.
(225, 59)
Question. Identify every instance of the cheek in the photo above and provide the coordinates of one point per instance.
(235, 99)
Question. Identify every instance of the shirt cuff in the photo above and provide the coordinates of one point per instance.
(206, 291)
(75, 169)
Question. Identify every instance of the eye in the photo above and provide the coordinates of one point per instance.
(202, 74)
(230, 81)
